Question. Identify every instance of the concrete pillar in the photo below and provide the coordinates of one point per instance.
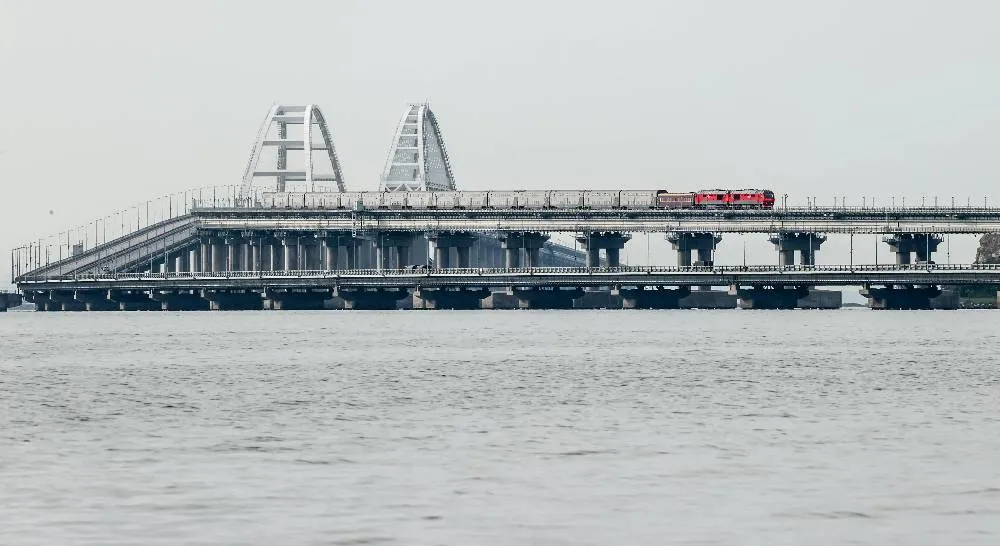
(512, 258)
(331, 246)
(533, 256)
(218, 258)
(254, 264)
(806, 244)
(194, 260)
(231, 256)
(180, 262)
(403, 256)
(441, 256)
(290, 249)
(613, 257)
(906, 244)
(702, 243)
(381, 257)
(351, 254)
(205, 250)
(310, 254)
(463, 257)
(245, 256)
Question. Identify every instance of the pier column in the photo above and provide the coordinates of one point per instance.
(351, 253)
(702, 243)
(181, 262)
(806, 244)
(310, 254)
(532, 243)
(218, 258)
(290, 249)
(331, 248)
(611, 241)
(254, 262)
(906, 244)
(445, 241)
(194, 259)
(205, 252)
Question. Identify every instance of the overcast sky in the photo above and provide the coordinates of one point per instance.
(107, 104)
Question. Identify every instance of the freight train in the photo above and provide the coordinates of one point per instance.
(526, 199)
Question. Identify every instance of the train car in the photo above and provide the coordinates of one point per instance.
(420, 199)
(637, 199)
(755, 199)
(372, 199)
(533, 199)
(562, 199)
(716, 199)
(601, 199)
(473, 199)
(668, 200)
(349, 200)
(394, 200)
(502, 199)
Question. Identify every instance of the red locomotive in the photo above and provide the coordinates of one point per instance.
(716, 199)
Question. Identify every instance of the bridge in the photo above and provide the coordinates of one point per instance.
(291, 235)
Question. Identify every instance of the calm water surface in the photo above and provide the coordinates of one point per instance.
(582, 427)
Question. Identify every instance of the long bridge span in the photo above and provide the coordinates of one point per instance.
(303, 233)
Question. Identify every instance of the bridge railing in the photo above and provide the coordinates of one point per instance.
(51, 249)
(432, 272)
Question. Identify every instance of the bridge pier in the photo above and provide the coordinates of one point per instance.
(95, 300)
(770, 297)
(611, 241)
(179, 300)
(443, 243)
(806, 244)
(449, 298)
(921, 244)
(546, 297)
(531, 242)
(290, 252)
(901, 297)
(702, 243)
(8, 300)
(389, 244)
(659, 297)
(218, 258)
(232, 300)
(285, 299)
(371, 298)
(133, 300)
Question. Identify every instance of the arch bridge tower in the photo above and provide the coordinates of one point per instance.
(418, 159)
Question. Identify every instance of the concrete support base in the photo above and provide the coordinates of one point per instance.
(304, 299)
(778, 297)
(653, 297)
(95, 300)
(232, 300)
(180, 300)
(598, 299)
(440, 298)
(371, 299)
(543, 298)
(821, 299)
(905, 297)
(8, 301)
(133, 300)
(709, 299)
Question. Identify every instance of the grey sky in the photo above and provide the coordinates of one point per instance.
(111, 103)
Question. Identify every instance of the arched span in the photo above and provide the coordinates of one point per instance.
(273, 135)
(418, 159)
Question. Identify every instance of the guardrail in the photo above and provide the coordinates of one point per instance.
(432, 272)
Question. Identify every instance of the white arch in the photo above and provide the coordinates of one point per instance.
(280, 116)
(418, 159)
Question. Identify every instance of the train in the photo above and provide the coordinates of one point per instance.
(525, 199)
